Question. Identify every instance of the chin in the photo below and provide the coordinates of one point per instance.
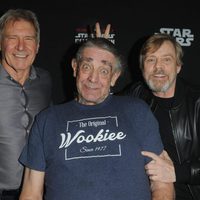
(89, 100)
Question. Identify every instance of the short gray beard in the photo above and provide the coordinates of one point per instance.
(164, 88)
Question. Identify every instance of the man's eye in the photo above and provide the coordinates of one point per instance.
(150, 60)
(104, 72)
(12, 37)
(85, 67)
(167, 59)
(30, 38)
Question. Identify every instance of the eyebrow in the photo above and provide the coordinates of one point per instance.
(165, 55)
(88, 59)
(105, 62)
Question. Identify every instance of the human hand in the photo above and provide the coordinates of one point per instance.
(161, 167)
(98, 31)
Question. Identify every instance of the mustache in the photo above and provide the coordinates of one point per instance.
(158, 72)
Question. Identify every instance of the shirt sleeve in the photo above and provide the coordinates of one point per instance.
(152, 140)
(32, 155)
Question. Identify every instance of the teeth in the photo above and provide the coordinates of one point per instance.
(20, 56)
(159, 75)
(91, 87)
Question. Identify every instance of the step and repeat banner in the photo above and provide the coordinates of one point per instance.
(65, 24)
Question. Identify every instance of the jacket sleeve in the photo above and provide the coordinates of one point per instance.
(180, 170)
(195, 173)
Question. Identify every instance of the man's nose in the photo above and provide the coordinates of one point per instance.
(20, 44)
(94, 76)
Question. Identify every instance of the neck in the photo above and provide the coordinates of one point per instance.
(19, 76)
(165, 94)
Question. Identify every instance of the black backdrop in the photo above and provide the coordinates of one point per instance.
(63, 23)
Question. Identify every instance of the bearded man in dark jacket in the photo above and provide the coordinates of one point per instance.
(176, 106)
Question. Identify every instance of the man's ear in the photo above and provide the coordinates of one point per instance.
(38, 46)
(74, 66)
(114, 78)
(178, 68)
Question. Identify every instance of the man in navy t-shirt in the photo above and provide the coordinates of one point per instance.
(90, 148)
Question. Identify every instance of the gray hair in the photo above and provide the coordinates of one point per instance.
(16, 15)
(154, 42)
(104, 44)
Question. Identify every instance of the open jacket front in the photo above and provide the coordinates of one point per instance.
(185, 122)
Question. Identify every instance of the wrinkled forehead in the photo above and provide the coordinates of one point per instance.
(20, 27)
(165, 47)
(98, 55)
(13, 21)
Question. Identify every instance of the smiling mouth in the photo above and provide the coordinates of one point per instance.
(17, 55)
(159, 75)
(91, 87)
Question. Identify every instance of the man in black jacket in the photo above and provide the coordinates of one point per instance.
(177, 107)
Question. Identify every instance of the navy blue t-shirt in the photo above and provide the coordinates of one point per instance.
(94, 152)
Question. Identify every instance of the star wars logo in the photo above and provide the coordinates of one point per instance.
(183, 36)
(82, 35)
